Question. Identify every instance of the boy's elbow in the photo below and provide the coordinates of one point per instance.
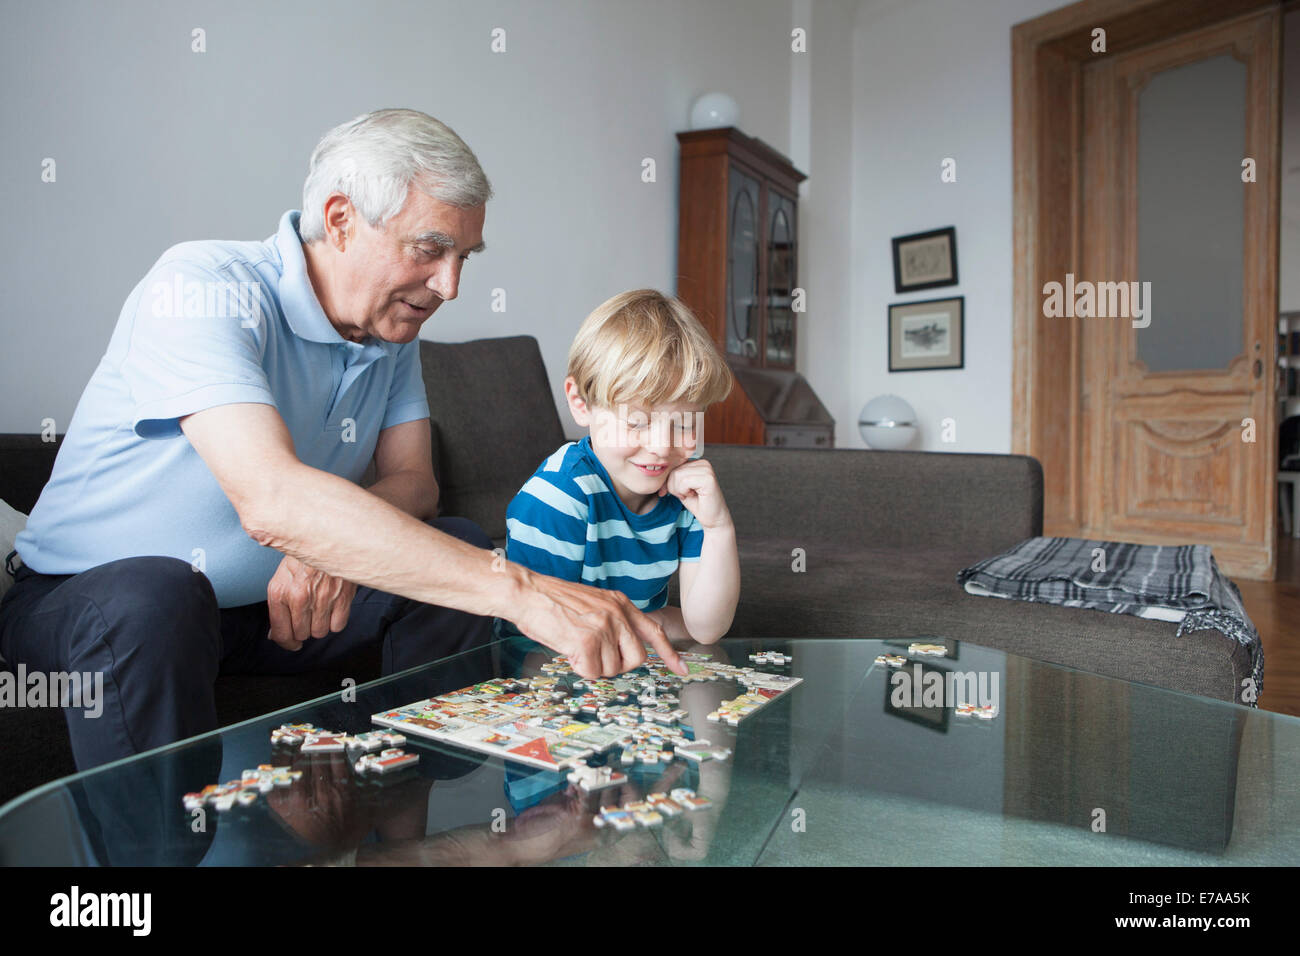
(705, 634)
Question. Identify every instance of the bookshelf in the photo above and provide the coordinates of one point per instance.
(1288, 362)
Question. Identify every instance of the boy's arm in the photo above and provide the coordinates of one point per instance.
(710, 563)
(670, 619)
(710, 587)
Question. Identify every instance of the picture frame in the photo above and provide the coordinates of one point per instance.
(925, 260)
(932, 718)
(927, 335)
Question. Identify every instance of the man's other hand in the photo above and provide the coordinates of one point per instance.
(306, 603)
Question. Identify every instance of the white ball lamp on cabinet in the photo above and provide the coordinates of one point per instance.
(887, 422)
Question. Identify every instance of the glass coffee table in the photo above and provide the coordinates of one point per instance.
(861, 764)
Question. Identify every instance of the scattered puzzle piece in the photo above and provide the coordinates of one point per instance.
(984, 711)
(323, 743)
(374, 740)
(688, 799)
(292, 735)
(698, 751)
(928, 650)
(592, 779)
(651, 811)
(386, 761)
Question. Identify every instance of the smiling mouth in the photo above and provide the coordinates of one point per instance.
(651, 469)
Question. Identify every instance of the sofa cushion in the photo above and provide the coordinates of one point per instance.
(496, 422)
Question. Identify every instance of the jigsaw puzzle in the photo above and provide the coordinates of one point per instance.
(558, 720)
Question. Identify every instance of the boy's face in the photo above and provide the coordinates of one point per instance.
(638, 445)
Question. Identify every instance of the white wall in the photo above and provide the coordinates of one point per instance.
(1289, 252)
(932, 79)
(155, 144)
(821, 142)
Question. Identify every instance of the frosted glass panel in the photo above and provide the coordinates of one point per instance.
(1191, 141)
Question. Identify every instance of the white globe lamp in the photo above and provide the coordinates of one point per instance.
(713, 110)
(887, 423)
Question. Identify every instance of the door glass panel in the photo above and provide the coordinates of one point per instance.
(742, 266)
(1191, 142)
(780, 280)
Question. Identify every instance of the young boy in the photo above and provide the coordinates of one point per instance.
(630, 504)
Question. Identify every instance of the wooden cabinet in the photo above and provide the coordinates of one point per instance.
(737, 269)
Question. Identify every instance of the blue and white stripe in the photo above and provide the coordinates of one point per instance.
(566, 521)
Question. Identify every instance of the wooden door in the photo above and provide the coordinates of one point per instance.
(1176, 302)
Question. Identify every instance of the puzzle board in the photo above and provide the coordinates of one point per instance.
(558, 720)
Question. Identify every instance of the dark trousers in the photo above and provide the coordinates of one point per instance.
(151, 625)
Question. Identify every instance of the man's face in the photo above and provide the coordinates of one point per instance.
(391, 280)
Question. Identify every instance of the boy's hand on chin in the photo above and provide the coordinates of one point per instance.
(696, 486)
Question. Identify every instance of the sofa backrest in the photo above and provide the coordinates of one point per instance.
(968, 503)
(495, 419)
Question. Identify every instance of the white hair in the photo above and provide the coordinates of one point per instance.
(376, 158)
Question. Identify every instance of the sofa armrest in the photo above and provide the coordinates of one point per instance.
(960, 503)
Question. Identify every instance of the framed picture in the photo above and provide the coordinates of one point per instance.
(925, 260)
(927, 335)
(933, 717)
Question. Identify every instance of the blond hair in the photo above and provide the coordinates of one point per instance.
(643, 347)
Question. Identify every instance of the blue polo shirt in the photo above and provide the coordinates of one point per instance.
(213, 323)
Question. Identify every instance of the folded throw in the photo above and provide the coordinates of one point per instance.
(1180, 583)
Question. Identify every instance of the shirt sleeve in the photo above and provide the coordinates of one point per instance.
(690, 537)
(408, 400)
(196, 341)
(546, 528)
(546, 532)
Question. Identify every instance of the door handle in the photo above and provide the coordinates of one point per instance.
(1259, 368)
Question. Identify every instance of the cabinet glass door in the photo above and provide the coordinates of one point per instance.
(780, 279)
(742, 265)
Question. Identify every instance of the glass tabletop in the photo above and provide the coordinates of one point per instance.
(975, 757)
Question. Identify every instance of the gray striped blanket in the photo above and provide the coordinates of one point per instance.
(1179, 583)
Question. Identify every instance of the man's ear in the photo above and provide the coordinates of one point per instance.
(577, 407)
(338, 220)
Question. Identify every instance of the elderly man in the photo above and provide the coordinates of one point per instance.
(204, 512)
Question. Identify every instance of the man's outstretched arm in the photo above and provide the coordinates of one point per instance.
(342, 530)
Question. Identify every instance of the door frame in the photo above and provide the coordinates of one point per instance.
(1048, 55)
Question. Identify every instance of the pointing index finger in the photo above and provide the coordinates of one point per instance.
(654, 635)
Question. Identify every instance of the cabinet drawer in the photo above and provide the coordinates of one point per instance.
(799, 436)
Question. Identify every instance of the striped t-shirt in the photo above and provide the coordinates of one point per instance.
(569, 522)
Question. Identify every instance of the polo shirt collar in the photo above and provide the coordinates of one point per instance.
(298, 299)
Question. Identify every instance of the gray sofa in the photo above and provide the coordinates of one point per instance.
(883, 536)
